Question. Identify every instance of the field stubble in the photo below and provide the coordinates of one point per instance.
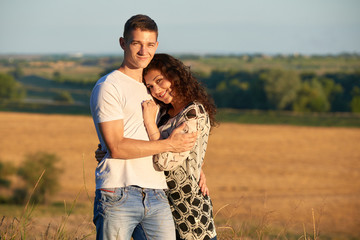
(269, 176)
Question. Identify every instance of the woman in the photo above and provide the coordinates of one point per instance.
(181, 99)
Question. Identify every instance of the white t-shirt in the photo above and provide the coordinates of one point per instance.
(118, 96)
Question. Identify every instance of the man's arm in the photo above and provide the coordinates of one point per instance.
(126, 148)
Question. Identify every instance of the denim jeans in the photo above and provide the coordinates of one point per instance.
(117, 211)
(139, 234)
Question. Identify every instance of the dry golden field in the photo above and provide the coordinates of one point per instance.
(272, 177)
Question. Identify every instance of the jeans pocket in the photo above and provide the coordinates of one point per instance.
(110, 199)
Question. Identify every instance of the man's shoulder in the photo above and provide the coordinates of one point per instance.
(109, 80)
(111, 76)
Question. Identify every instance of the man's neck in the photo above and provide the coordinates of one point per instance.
(136, 74)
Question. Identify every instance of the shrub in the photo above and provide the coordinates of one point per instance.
(64, 97)
(6, 169)
(30, 172)
(10, 89)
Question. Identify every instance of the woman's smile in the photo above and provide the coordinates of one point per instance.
(161, 95)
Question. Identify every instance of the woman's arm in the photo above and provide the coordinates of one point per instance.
(169, 160)
(150, 110)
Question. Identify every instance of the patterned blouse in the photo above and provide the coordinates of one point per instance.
(192, 212)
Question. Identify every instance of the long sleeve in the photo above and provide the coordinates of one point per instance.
(169, 160)
(196, 119)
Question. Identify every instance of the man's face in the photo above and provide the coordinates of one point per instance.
(139, 48)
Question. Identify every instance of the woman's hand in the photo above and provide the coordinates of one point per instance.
(202, 184)
(99, 154)
(149, 111)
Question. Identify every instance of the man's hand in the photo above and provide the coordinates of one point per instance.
(180, 141)
(202, 184)
(99, 154)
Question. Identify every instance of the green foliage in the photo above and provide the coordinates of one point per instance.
(31, 170)
(347, 81)
(6, 170)
(281, 88)
(311, 98)
(278, 89)
(257, 82)
(9, 88)
(334, 93)
(288, 118)
(355, 102)
(64, 97)
(57, 76)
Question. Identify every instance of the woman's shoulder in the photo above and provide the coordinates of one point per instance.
(193, 110)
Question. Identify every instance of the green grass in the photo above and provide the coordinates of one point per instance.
(46, 108)
(289, 118)
(223, 115)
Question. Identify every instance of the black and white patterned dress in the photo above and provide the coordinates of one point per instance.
(192, 212)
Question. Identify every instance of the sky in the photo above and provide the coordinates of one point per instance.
(185, 26)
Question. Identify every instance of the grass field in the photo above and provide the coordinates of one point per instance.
(266, 181)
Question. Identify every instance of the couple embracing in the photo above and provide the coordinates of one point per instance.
(153, 120)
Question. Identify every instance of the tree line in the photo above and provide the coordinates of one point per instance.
(266, 89)
(277, 89)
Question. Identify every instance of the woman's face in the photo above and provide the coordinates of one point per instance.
(159, 86)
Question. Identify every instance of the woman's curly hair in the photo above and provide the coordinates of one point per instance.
(183, 83)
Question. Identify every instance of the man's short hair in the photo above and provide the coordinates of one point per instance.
(142, 22)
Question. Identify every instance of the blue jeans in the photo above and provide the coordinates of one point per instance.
(117, 211)
(139, 234)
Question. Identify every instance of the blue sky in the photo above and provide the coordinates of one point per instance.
(186, 26)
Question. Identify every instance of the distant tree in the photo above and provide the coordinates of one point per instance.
(257, 93)
(17, 73)
(10, 89)
(64, 97)
(31, 170)
(57, 76)
(281, 88)
(311, 98)
(355, 102)
(347, 81)
(334, 93)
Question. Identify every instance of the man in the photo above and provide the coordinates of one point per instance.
(129, 190)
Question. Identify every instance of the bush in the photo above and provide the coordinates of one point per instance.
(10, 89)
(31, 170)
(64, 97)
(6, 169)
(280, 88)
(311, 98)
